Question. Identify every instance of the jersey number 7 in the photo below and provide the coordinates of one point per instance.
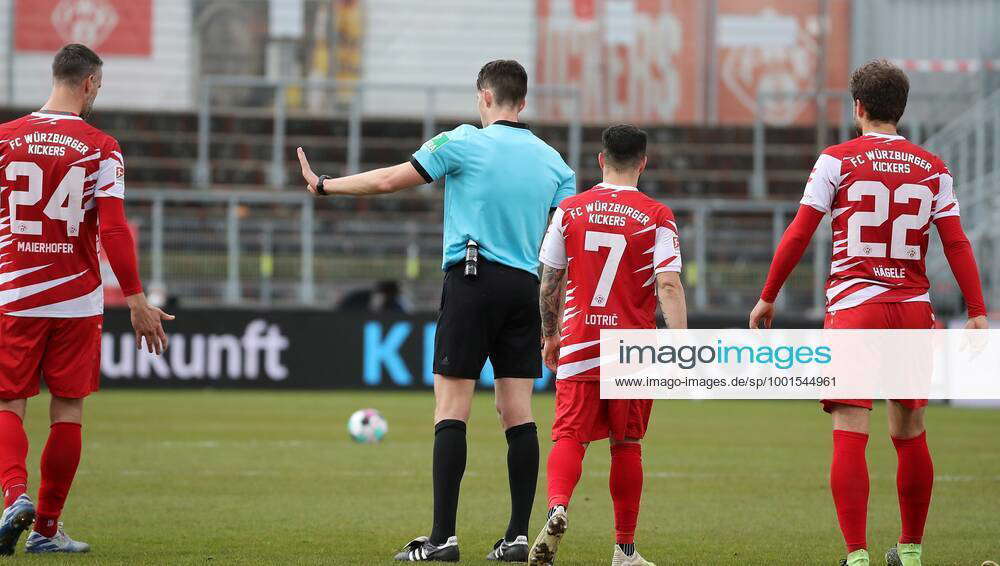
(594, 241)
(69, 192)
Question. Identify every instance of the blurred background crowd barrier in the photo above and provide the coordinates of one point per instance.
(209, 99)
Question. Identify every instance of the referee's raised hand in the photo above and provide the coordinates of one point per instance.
(307, 173)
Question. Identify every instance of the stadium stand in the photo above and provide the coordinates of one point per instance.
(685, 161)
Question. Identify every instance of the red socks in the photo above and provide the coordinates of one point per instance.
(914, 481)
(13, 453)
(563, 470)
(849, 483)
(59, 461)
(626, 488)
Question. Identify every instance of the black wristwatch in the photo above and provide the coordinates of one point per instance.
(319, 185)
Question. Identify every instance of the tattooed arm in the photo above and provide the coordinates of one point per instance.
(550, 305)
(670, 292)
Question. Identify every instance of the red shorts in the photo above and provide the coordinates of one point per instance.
(917, 315)
(66, 352)
(582, 415)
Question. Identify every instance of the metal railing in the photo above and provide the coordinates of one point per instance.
(970, 143)
(229, 283)
(970, 146)
(356, 93)
(266, 248)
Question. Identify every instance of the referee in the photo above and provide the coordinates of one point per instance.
(501, 182)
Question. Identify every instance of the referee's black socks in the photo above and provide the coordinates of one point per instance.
(448, 469)
(522, 471)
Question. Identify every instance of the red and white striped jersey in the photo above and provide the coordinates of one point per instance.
(52, 167)
(612, 241)
(882, 193)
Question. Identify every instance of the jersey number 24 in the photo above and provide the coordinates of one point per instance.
(65, 204)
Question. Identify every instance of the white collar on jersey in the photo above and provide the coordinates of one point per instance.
(886, 136)
(56, 116)
(616, 187)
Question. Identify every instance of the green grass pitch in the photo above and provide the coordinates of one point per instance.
(213, 477)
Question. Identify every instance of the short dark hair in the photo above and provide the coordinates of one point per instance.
(882, 89)
(506, 78)
(624, 146)
(74, 63)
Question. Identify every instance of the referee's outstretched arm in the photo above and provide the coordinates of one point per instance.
(501, 181)
(374, 182)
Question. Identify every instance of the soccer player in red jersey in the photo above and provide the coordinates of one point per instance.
(61, 187)
(882, 193)
(613, 251)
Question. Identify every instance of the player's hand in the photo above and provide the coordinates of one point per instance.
(550, 352)
(977, 323)
(762, 315)
(307, 173)
(147, 322)
(975, 343)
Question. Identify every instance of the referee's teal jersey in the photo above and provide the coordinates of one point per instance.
(500, 184)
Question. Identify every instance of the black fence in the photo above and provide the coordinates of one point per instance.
(287, 349)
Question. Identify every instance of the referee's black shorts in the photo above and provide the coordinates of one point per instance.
(494, 315)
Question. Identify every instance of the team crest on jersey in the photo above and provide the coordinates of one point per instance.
(119, 172)
(436, 142)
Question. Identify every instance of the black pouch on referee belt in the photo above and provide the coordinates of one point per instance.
(472, 259)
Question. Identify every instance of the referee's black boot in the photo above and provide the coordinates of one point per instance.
(420, 549)
(516, 551)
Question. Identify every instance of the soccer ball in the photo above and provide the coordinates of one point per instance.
(367, 426)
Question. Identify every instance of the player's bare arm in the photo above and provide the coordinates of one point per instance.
(549, 303)
(374, 182)
(670, 293)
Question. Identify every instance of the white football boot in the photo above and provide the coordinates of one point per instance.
(621, 559)
(15, 520)
(543, 552)
(38, 543)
